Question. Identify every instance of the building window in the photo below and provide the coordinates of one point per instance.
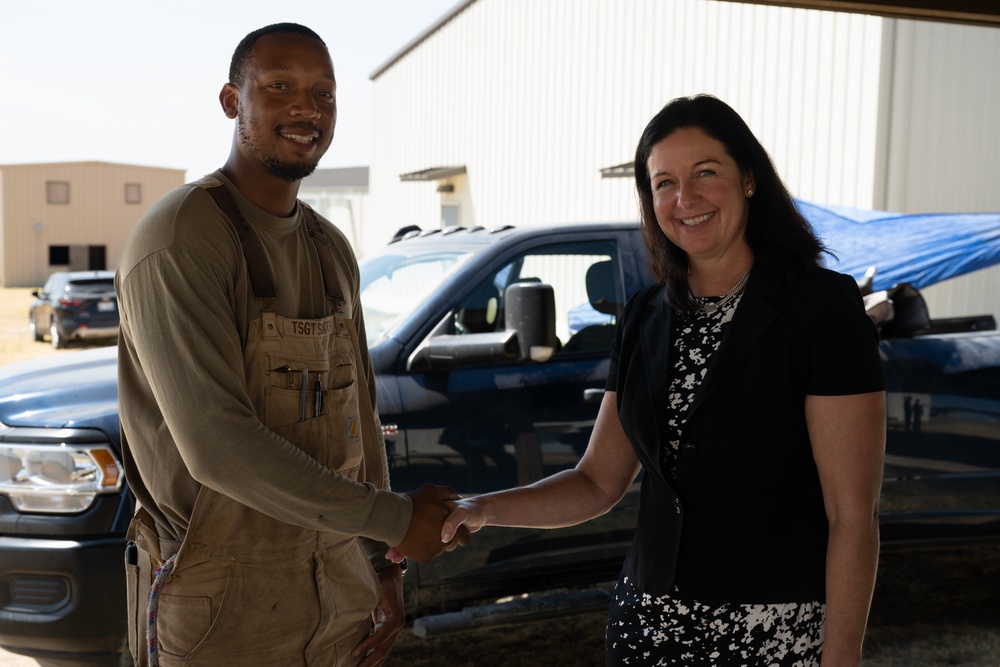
(57, 192)
(97, 256)
(133, 193)
(58, 255)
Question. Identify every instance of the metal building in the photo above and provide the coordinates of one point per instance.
(72, 215)
(520, 112)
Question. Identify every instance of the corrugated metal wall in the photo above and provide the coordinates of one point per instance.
(96, 215)
(535, 98)
(944, 140)
(944, 110)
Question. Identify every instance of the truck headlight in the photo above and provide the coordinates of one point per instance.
(57, 479)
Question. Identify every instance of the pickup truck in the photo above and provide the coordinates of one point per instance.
(490, 349)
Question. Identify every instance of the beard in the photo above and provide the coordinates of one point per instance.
(288, 171)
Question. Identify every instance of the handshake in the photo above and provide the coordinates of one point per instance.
(427, 535)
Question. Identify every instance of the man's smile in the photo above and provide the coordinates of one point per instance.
(300, 135)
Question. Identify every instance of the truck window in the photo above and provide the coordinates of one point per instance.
(393, 284)
(586, 280)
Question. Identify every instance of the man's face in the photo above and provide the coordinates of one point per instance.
(287, 105)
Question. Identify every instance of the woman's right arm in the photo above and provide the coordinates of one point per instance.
(567, 498)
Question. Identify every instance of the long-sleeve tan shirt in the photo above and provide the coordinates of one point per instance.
(187, 421)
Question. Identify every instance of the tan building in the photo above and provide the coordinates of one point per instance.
(72, 215)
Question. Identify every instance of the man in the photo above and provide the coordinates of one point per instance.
(249, 429)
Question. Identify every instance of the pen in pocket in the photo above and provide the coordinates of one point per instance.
(318, 398)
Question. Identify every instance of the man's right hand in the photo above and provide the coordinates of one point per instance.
(423, 537)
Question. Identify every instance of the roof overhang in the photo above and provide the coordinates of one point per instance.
(623, 170)
(433, 173)
(974, 12)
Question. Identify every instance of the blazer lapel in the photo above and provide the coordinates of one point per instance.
(657, 356)
(753, 316)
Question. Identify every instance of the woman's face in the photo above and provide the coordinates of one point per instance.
(699, 195)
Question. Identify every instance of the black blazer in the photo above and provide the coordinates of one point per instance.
(744, 521)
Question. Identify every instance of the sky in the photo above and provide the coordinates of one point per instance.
(138, 81)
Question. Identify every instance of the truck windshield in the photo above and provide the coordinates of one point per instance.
(393, 284)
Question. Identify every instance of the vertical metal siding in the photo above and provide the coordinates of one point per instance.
(943, 139)
(971, 294)
(945, 102)
(535, 98)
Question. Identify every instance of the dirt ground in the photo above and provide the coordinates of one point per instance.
(931, 608)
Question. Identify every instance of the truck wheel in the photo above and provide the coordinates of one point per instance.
(58, 341)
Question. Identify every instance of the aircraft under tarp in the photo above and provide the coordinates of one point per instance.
(918, 249)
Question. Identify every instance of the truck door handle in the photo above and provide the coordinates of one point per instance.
(593, 396)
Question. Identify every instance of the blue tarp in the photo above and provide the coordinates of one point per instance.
(917, 249)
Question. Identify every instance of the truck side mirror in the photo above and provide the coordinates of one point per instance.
(528, 335)
(530, 310)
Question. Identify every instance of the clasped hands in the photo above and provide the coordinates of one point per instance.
(439, 524)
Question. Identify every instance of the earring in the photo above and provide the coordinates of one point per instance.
(750, 192)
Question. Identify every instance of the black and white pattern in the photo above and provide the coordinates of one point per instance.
(695, 339)
(676, 630)
(644, 631)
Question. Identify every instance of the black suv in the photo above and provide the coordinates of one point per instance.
(75, 305)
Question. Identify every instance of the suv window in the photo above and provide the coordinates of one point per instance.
(91, 286)
(53, 284)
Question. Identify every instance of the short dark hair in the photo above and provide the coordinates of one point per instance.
(775, 227)
(241, 56)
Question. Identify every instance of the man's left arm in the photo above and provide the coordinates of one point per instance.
(387, 619)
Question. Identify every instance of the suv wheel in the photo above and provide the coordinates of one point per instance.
(58, 341)
(36, 335)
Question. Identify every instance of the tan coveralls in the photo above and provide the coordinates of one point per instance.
(247, 589)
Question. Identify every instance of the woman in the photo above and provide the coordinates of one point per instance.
(747, 385)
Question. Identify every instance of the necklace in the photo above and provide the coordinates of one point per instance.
(712, 307)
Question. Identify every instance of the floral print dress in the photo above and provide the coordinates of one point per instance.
(675, 629)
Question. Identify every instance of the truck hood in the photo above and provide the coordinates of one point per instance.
(71, 390)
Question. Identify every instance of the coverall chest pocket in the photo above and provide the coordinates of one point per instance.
(314, 404)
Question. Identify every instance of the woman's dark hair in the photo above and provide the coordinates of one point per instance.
(774, 228)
